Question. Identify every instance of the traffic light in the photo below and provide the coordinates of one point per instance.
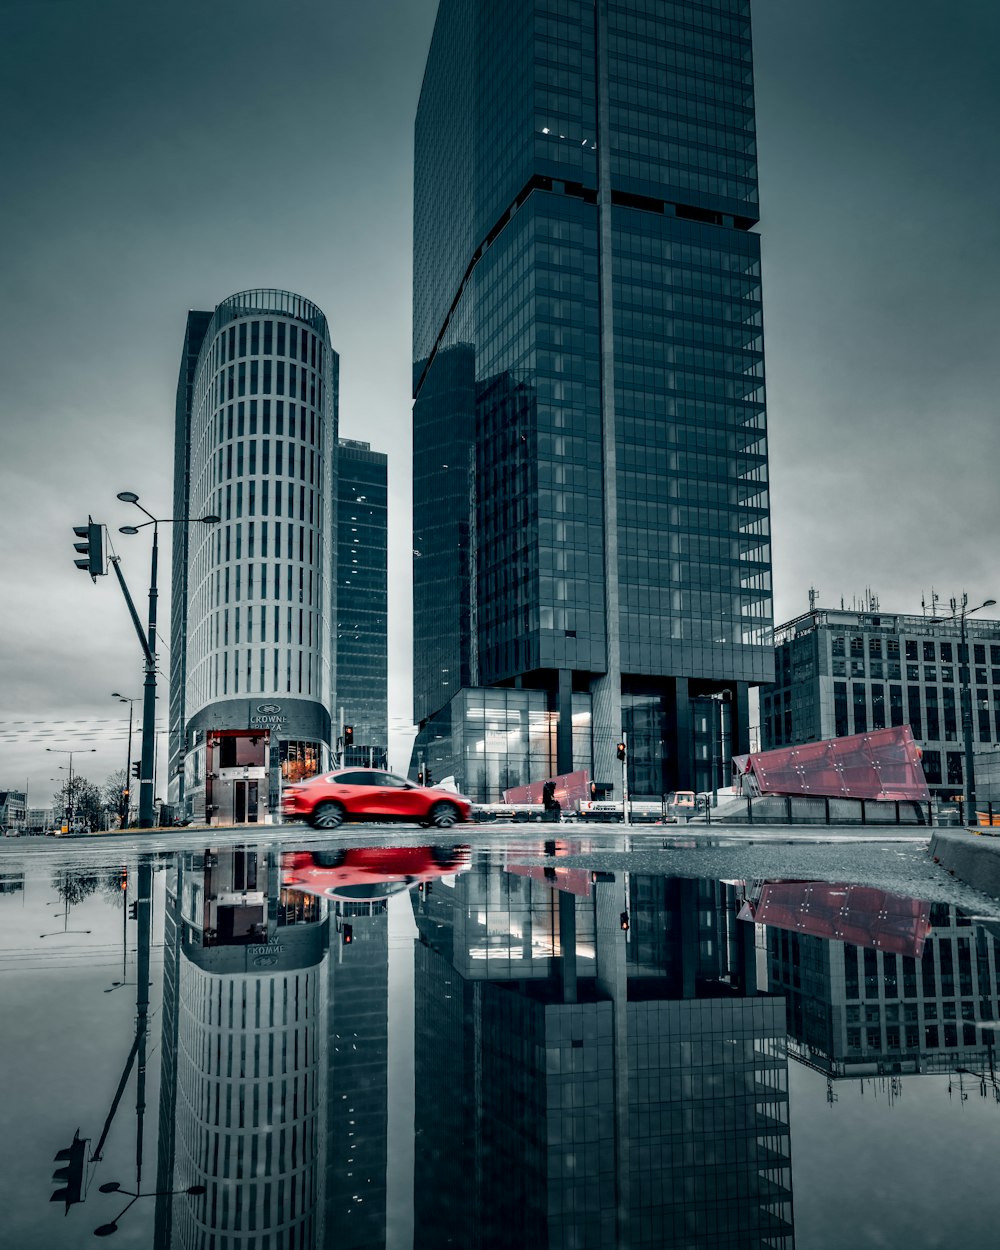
(621, 750)
(420, 777)
(73, 1174)
(348, 934)
(348, 735)
(90, 548)
(428, 779)
(135, 769)
(133, 911)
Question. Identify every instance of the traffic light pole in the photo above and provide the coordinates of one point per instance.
(625, 811)
(147, 640)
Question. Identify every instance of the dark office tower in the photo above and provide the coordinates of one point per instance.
(590, 464)
(362, 602)
(595, 1083)
(253, 596)
(357, 1033)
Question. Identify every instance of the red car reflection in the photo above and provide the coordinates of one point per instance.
(369, 872)
(368, 794)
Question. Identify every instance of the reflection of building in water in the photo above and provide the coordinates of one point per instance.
(243, 1081)
(594, 1066)
(357, 1031)
(855, 1011)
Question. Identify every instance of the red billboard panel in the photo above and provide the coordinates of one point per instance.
(883, 764)
(846, 913)
(570, 790)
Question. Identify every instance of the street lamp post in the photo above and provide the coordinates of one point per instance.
(146, 798)
(959, 611)
(127, 796)
(69, 787)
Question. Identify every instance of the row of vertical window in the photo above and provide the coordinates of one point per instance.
(237, 420)
(229, 501)
(257, 670)
(268, 338)
(255, 377)
(927, 649)
(241, 457)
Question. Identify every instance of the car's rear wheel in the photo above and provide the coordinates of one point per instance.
(328, 859)
(443, 815)
(327, 815)
(446, 856)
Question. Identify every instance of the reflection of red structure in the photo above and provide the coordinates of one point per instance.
(570, 790)
(570, 880)
(883, 764)
(363, 873)
(848, 913)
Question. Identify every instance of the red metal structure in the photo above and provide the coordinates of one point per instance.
(884, 764)
(569, 790)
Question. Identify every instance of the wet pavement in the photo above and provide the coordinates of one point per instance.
(496, 1036)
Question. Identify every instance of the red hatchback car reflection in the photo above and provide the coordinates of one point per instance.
(365, 873)
(368, 794)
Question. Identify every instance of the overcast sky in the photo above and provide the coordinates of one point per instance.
(156, 158)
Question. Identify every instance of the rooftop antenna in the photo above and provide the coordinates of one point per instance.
(813, 596)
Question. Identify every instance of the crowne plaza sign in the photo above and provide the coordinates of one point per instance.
(267, 716)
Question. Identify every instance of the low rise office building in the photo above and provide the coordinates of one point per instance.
(840, 672)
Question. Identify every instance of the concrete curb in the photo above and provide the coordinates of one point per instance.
(972, 857)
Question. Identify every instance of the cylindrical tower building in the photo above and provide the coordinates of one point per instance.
(254, 595)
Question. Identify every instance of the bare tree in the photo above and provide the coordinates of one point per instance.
(84, 802)
(115, 793)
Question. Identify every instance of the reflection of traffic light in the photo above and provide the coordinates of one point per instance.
(621, 750)
(623, 921)
(124, 877)
(348, 934)
(75, 1158)
(135, 769)
(348, 735)
(90, 549)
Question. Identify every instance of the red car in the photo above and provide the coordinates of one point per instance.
(368, 794)
(364, 873)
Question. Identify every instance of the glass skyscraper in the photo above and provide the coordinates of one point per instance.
(252, 597)
(362, 601)
(590, 461)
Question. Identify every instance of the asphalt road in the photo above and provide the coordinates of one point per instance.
(892, 859)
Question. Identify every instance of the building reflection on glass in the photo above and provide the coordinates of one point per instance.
(244, 1093)
(595, 1065)
(887, 1004)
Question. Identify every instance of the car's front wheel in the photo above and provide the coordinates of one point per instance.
(443, 815)
(327, 815)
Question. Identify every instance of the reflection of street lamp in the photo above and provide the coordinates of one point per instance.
(149, 649)
(69, 788)
(113, 1187)
(959, 611)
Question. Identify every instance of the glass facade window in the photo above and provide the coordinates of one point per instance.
(362, 600)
